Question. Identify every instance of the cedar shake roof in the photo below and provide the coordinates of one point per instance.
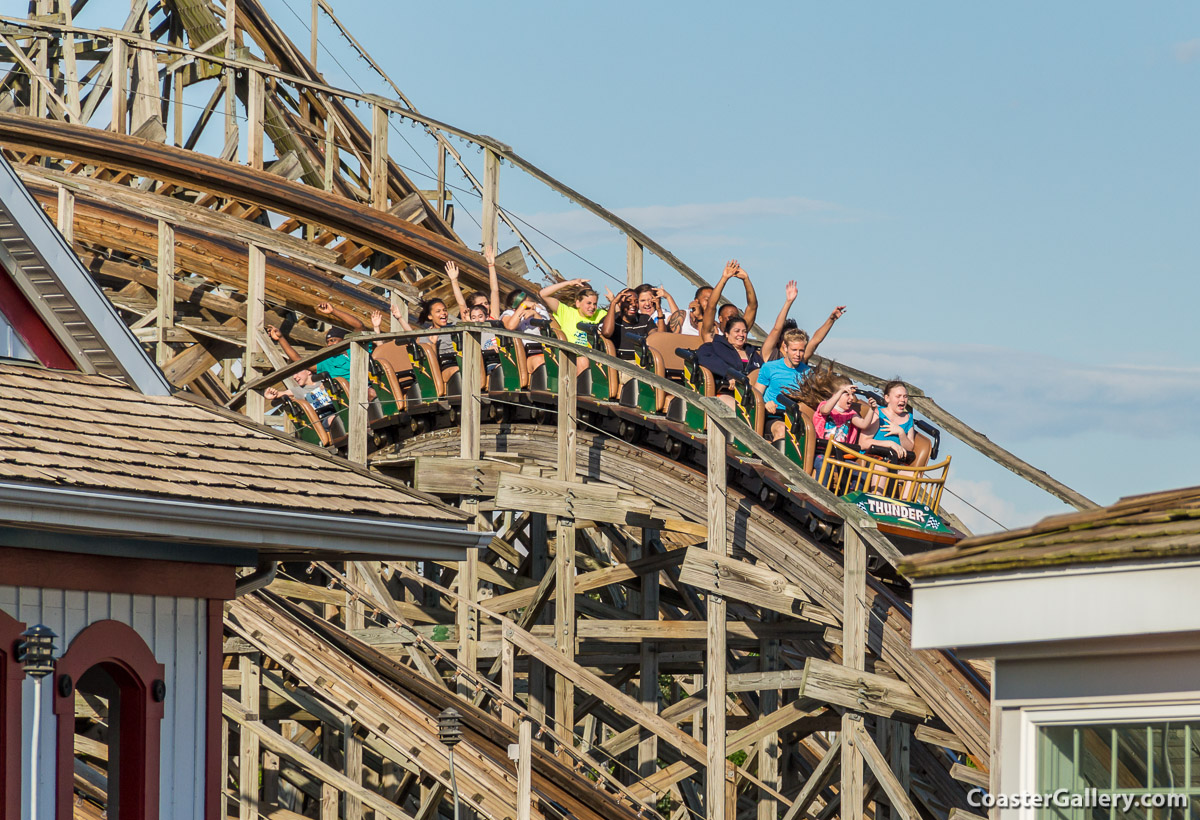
(72, 430)
(1161, 525)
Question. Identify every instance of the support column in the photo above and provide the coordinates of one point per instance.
(769, 750)
(854, 637)
(331, 153)
(379, 157)
(313, 42)
(647, 753)
(491, 197)
(166, 292)
(71, 91)
(524, 770)
(356, 446)
(564, 610)
(633, 262)
(714, 661)
(255, 101)
(441, 177)
(251, 676)
(66, 214)
(255, 313)
(119, 90)
(353, 769)
(539, 565)
(231, 126)
(468, 571)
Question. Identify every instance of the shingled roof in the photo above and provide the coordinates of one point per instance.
(71, 430)
(1159, 525)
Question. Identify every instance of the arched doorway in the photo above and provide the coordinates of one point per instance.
(108, 701)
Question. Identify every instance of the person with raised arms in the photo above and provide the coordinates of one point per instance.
(714, 319)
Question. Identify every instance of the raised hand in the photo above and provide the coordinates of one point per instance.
(324, 308)
(838, 312)
(452, 271)
(791, 291)
(273, 332)
(270, 394)
(731, 269)
(489, 256)
(396, 312)
(376, 319)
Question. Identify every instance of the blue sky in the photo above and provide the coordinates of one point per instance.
(1005, 195)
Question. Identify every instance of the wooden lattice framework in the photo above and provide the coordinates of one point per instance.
(689, 650)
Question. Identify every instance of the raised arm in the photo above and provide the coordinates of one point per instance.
(546, 294)
(609, 325)
(768, 348)
(751, 298)
(401, 318)
(344, 318)
(513, 320)
(825, 407)
(284, 344)
(489, 256)
(661, 293)
(452, 272)
(714, 301)
(822, 332)
(867, 422)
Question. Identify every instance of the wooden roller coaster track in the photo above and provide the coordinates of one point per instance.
(654, 635)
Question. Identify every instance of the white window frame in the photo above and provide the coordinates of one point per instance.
(1034, 718)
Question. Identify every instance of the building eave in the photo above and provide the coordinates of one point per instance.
(265, 533)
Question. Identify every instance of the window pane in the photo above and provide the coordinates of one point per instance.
(1135, 761)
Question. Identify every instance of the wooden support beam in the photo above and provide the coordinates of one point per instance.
(969, 775)
(65, 215)
(255, 308)
(333, 780)
(647, 755)
(751, 583)
(854, 639)
(821, 777)
(356, 447)
(902, 807)
(119, 92)
(524, 770)
(508, 683)
(592, 502)
(633, 262)
(769, 751)
(927, 734)
(714, 662)
(165, 292)
(491, 197)
(255, 102)
(862, 691)
(564, 599)
(613, 697)
(352, 756)
(248, 748)
(379, 157)
(467, 616)
(441, 474)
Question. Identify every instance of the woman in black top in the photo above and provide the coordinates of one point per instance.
(624, 318)
(730, 351)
